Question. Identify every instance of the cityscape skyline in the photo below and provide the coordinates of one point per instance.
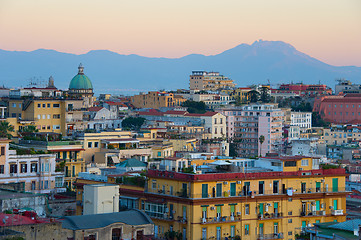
(175, 29)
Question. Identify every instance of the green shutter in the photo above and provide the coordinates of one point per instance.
(317, 205)
(218, 209)
(261, 208)
(303, 224)
(204, 190)
(219, 190)
(276, 205)
(232, 209)
(335, 204)
(233, 189)
(335, 185)
(318, 185)
(204, 209)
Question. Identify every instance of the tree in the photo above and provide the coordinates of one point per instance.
(29, 129)
(133, 123)
(265, 96)
(317, 121)
(261, 140)
(253, 96)
(6, 129)
(195, 107)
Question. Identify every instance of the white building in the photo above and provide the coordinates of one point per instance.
(301, 119)
(101, 198)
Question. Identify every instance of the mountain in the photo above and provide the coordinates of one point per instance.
(116, 73)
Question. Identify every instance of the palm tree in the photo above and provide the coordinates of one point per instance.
(261, 140)
(29, 129)
(6, 129)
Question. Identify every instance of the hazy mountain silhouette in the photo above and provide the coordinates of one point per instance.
(112, 72)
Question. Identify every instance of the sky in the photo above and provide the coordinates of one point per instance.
(329, 30)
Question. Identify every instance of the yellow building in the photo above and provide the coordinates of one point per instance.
(209, 81)
(47, 114)
(257, 205)
(184, 145)
(157, 100)
(162, 150)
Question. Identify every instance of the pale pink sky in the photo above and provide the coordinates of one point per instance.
(329, 30)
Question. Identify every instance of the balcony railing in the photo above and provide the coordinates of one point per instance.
(266, 216)
(270, 236)
(312, 213)
(221, 219)
(337, 212)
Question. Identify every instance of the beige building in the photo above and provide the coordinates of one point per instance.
(214, 123)
(209, 81)
(101, 198)
(157, 100)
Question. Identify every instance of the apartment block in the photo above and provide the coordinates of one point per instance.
(209, 81)
(156, 100)
(36, 171)
(261, 204)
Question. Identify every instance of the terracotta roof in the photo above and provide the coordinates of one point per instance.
(116, 103)
(206, 114)
(95, 109)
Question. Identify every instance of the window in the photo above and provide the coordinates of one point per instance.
(73, 171)
(290, 220)
(58, 181)
(44, 116)
(2, 169)
(159, 154)
(55, 127)
(219, 190)
(48, 105)
(48, 116)
(290, 163)
(304, 162)
(23, 168)
(246, 209)
(46, 184)
(33, 185)
(204, 190)
(90, 144)
(2, 151)
(13, 168)
(290, 233)
(39, 105)
(116, 234)
(33, 167)
(154, 184)
(56, 105)
(13, 115)
(56, 116)
(246, 229)
(96, 144)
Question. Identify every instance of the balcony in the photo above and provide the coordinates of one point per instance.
(337, 212)
(312, 213)
(270, 236)
(223, 219)
(269, 216)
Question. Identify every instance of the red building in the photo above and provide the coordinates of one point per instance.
(339, 109)
(304, 89)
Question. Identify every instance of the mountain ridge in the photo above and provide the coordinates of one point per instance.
(110, 71)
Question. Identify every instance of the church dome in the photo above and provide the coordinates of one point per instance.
(80, 81)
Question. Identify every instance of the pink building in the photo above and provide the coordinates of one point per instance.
(339, 109)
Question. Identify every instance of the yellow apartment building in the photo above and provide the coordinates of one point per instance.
(254, 205)
(157, 100)
(209, 81)
(48, 114)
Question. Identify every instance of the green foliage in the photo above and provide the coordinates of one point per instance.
(134, 181)
(171, 235)
(60, 167)
(317, 121)
(302, 107)
(29, 129)
(6, 129)
(195, 107)
(31, 151)
(253, 96)
(233, 149)
(261, 140)
(133, 123)
(328, 166)
(265, 96)
(111, 147)
(187, 170)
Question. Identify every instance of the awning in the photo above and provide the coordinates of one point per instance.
(115, 159)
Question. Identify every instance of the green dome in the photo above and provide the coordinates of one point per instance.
(80, 81)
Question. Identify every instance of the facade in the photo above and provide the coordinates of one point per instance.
(259, 205)
(157, 100)
(302, 119)
(345, 86)
(300, 89)
(209, 81)
(254, 121)
(58, 115)
(344, 109)
(101, 198)
(36, 171)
